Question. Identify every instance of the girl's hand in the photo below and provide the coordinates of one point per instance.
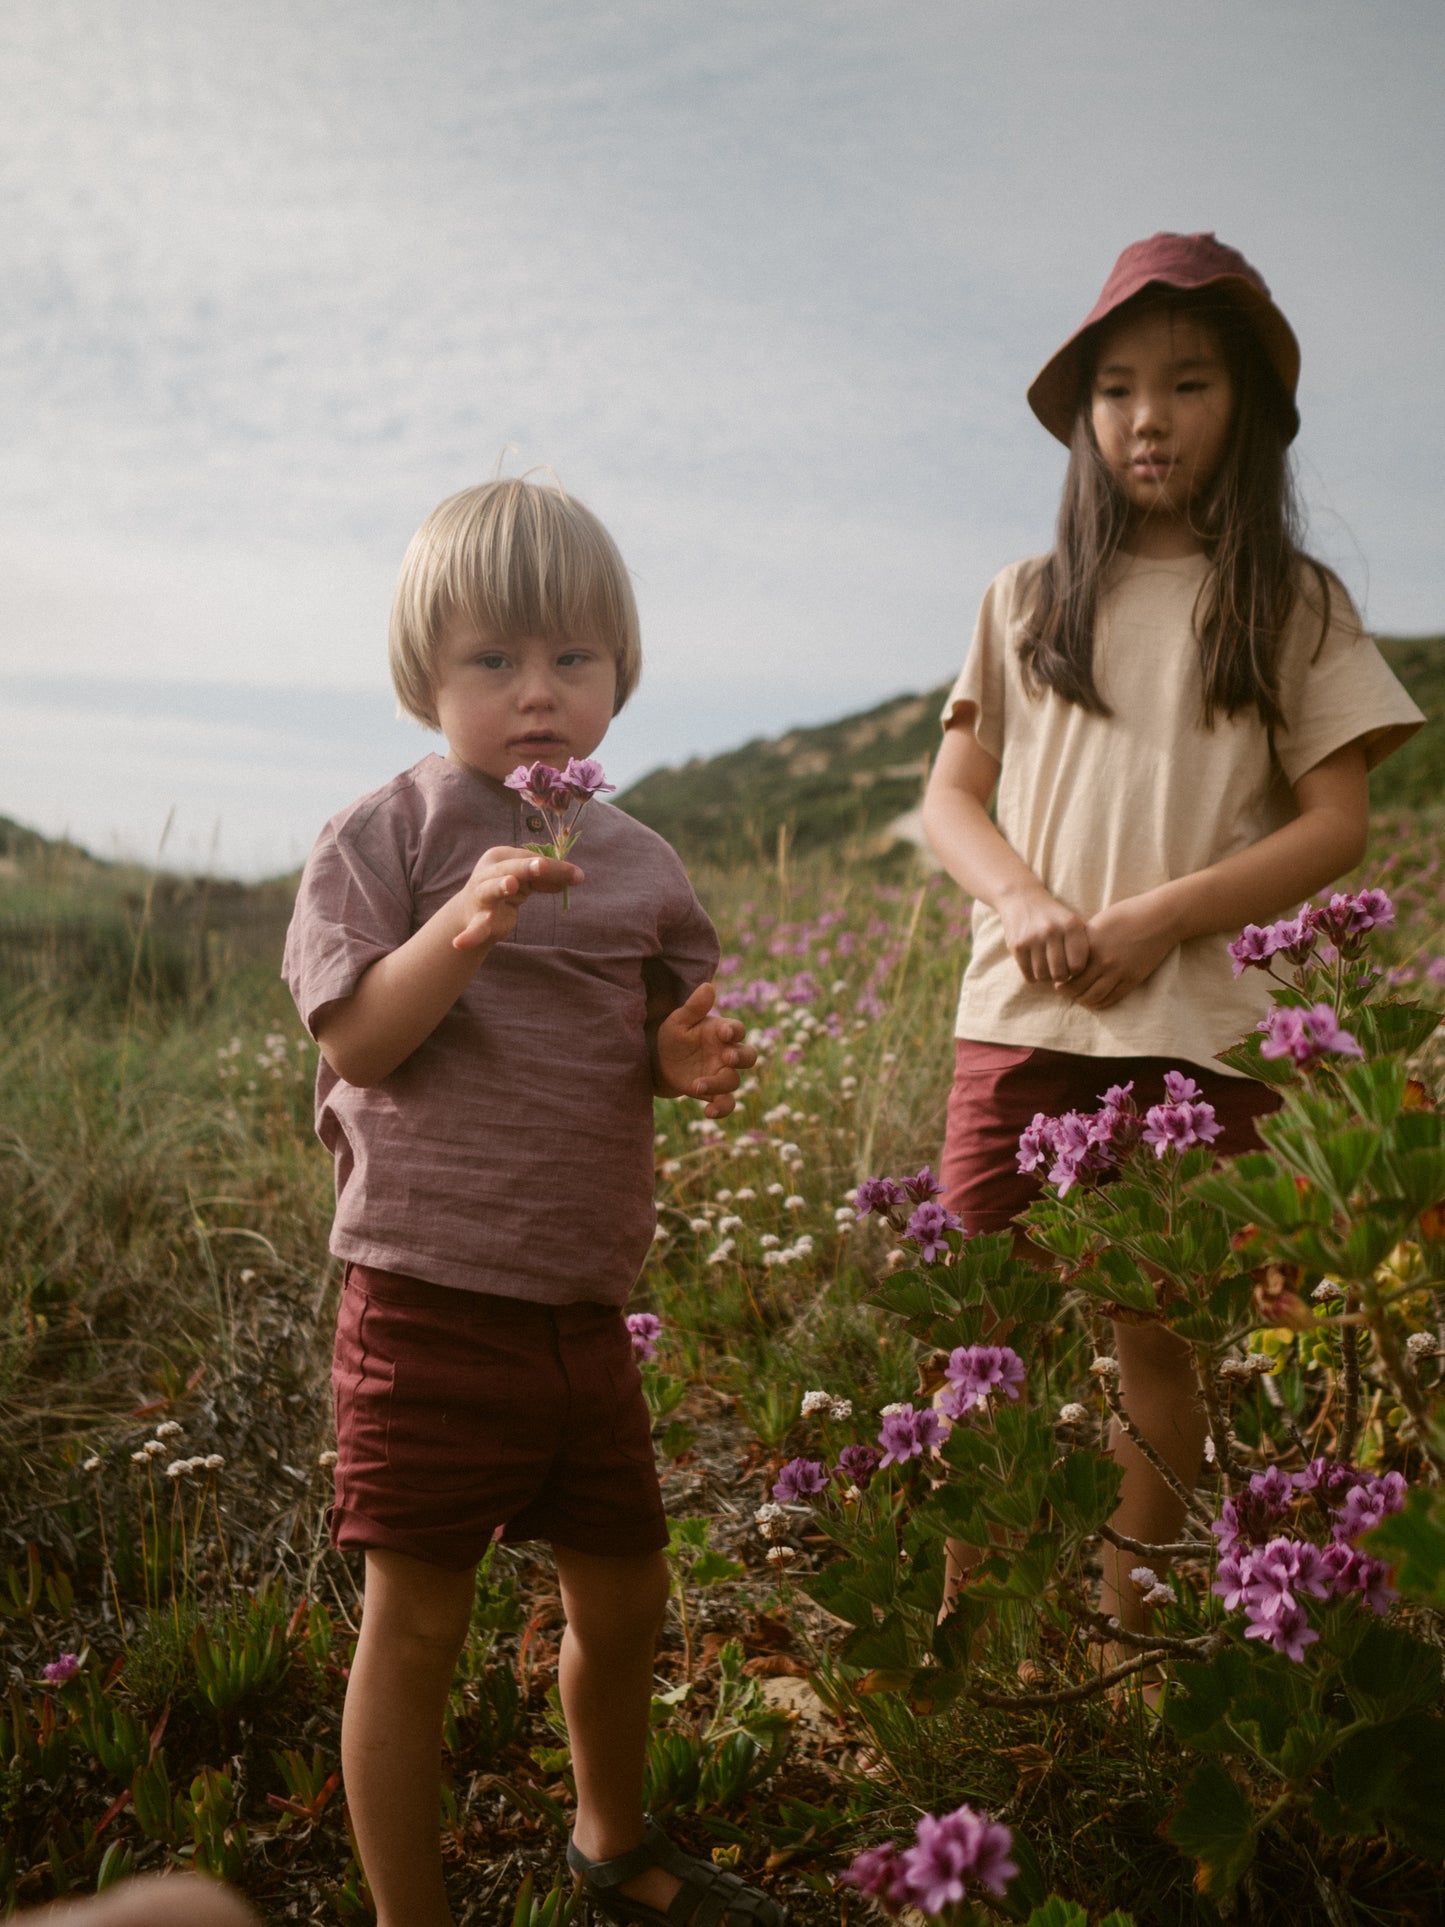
(699, 1055)
(502, 881)
(1049, 941)
(1127, 944)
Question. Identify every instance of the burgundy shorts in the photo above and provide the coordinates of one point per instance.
(459, 1413)
(997, 1088)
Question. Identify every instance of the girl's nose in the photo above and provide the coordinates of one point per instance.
(1151, 412)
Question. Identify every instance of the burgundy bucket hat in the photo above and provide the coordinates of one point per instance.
(1188, 261)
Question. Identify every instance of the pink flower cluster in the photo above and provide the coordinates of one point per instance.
(906, 1434)
(949, 1854)
(558, 790)
(1085, 1144)
(644, 1328)
(1270, 1574)
(800, 1480)
(1306, 1035)
(62, 1669)
(1345, 921)
(975, 1373)
(926, 1225)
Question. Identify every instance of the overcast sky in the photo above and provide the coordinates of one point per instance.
(763, 281)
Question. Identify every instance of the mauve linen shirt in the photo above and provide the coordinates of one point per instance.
(512, 1152)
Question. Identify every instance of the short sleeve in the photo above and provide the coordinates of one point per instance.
(1335, 687)
(983, 679)
(690, 948)
(353, 906)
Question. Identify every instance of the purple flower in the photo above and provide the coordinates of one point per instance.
(1347, 920)
(1292, 938)
(1117, 1127)
(1289, 1634)
(1328, 1478)
(858, 1463)
(926, 1229)
(1036, 1143)
(1364, 1505)
(62, 1669)
(799, 1481)
(1078, 1151)
(1180, 1089)
(880, 1874)
(1178, 1127)
(644, 1328)
(878, 1194)
(584, 778)
(922, 1188)
(1305, 1035)
(976, 1372)
(906, 1434)
(953, 1851)
(540, 785)
(1251, 947)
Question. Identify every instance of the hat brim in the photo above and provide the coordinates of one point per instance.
(1053, 393)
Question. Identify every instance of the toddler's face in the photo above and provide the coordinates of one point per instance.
(501, 703)
(1163, 403)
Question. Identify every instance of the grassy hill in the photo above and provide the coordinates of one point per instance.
(854, 778)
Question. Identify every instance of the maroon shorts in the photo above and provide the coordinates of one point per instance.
(459, 1413)
(997, 1088)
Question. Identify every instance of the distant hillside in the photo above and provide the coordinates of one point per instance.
(856, 777)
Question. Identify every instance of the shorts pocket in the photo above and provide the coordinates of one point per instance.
(989, 1060)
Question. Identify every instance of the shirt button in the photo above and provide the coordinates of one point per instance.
(535, 823)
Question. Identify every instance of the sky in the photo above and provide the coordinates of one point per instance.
(762, 284)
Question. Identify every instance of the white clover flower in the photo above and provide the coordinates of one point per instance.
(140, 1458)
(154, 1449)
(816, 1402)
(850, 1196)
(723, 1252)
(1421, 1345)
(772, 1520)
(1326, 1292)
(781, 1556)
(852, 1495)
(1261, 1365)
(1144, 1577)
(771, 1258)
(1073, 1415)
(659, 1139)
(889, 1410)
(896, 1259)
(699, 1224)
(803, 1243)
(248, 1277)
(1160, 1595)
(671, 1167)
(788, 1152)
(1210, 1455)
(1104, 1368)
(795, 1203)
(745, 1196)
(170, 1429)
(723, 1197)
(92, 1464)
(730, 1224)
(839, 1409)
(1235, 1368)
(889, 1057)
(326, 1460)
(844, 1215)
(178, 1468)
(213, 1462)
(776, 1190)
(770, 1241)
(659, 1235)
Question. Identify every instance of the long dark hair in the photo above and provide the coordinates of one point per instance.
(1248, 520)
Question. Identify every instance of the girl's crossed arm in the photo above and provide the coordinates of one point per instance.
(1131, 938)
(402, 998)
(1050, 942)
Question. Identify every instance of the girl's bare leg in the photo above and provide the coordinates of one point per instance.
(614, 1608)
(412, 1629)
(1158, 1390)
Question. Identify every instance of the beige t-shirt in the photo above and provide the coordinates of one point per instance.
(1105, 807)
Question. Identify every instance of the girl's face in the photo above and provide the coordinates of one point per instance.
(1162, 408)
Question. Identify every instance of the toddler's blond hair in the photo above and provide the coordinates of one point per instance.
(520, 559)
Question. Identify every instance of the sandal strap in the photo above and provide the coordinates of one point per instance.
(708, 1896)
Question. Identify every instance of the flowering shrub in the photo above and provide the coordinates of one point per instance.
(950, 1854)
(1281, 1644)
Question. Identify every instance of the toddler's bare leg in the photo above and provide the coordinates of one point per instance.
(1159, 1392)
(614, 1608)
(412, 1629)
(165, 1900)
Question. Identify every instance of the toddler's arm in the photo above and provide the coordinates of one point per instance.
(695, 1054)
(1132, 938)
(402, 998)
(1049, 941)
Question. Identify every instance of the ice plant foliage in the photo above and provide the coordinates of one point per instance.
(951, 1854)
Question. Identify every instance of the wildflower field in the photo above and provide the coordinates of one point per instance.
(841, 1382)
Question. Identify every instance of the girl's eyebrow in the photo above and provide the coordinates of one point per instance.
(1205, 360)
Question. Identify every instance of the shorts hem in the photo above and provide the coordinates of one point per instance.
(606, 1542)
(354, 1532)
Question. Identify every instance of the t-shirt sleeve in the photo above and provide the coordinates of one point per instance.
(978, 695)
(353, 906)
(690, 948)
(1336, 687)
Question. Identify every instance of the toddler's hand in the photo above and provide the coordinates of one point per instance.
(1049, 941)
(699, 1055)
(503, 879)
(1127, 944)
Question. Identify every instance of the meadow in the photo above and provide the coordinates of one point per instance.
(176, 1630)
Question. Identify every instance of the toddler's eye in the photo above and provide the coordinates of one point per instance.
(492, 660)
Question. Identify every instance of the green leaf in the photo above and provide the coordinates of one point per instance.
(1084, 1489)
(1389, 1673)
(1376, 1090)
(1212, 1688)
(1058, 1912)
(1415, 1538)
(1396, 1029)
(1213, 1823)
(1395, 1775)
(711, 1567)
(1244, 1056)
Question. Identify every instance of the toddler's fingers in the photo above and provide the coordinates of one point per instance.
(1076, 949)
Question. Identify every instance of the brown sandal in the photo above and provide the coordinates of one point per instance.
(708, 1897)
